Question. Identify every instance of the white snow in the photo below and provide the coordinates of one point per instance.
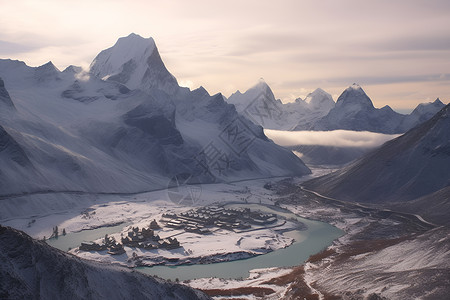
(259, 104)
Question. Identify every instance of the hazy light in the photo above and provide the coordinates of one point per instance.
(399, 51)
(337, 138)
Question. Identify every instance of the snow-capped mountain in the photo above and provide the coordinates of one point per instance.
(319, 100)
(259, 104)
(124, 129)
(354, 111)
(420, 114)
(413, 165)
(31, 269)
(135, 62)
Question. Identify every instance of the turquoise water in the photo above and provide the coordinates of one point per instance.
(74, 239)
(315, 238)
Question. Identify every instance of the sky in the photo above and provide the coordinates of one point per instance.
(398, 51)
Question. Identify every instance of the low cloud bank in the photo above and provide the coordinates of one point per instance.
(336, 138)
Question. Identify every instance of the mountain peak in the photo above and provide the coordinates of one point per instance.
(48, 67)
(354, 97)
(355, 86)
(130, 48)
(135, 62)
(320, 100)
(73, 69)
(428, 109)
(261, 85)
(438, 101)
(47, 72)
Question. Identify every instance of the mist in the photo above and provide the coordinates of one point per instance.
(335, 138)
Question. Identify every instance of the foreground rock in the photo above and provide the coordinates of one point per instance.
(30, 269)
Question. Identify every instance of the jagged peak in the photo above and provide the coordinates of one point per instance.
(430, 107)
(200, 91)
(49, 66)
(261, 84)
(135, 62)
(132, 47)
(73, 69)
(438, 101)
(354, 95)
(317, 92)
(136, 40)
(387, 108)
(319, 100)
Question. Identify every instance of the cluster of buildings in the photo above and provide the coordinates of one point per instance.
(147, 239)
(144, 238)
(109, 243)
(200, 220)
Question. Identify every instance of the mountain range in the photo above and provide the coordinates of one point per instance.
(353, 110)
(259, 104)
(413, 167)
(124, 126)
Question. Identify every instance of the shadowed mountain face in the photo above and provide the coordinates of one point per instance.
(31, 269)
(408, 167)
(125, 126)
(5, 99)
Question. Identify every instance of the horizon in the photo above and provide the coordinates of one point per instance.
(399, 53)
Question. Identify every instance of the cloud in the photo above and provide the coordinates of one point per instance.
(335, 138)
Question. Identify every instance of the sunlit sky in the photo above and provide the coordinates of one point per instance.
(398, 51)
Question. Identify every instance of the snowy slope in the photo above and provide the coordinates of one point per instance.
(31, 269)
(433, 207)
(82, 133)
(420, 114)
(408, 167)
(416, 268)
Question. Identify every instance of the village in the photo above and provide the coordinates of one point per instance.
(203, 220)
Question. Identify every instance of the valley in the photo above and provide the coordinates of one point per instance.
(120, 172)
(370, 232)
